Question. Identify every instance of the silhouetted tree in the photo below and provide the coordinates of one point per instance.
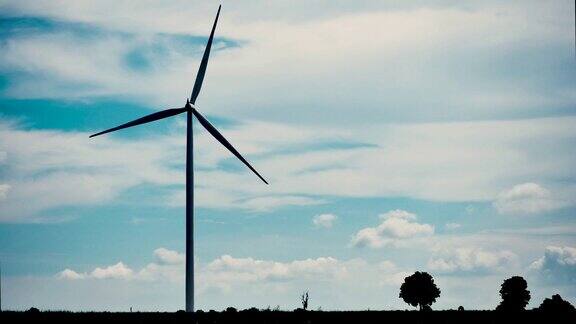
(556, 304)
(231, 310)
(514, 293)
(304, 300)
(419, 289)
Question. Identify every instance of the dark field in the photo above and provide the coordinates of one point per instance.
(467, 317)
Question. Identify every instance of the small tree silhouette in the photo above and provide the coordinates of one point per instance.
(304, 300)
(515, 295)
(419, 289)
(556, 304)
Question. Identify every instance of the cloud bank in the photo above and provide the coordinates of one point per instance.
(557, 265)
(527, 198)
(63, 168)
(467, 260)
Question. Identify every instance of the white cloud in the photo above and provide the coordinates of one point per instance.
(223, 272)
(561, 255)
(324, 220)
(527, 198)
(557, 265)
(396, 225)
(68, 274)
(169, 266)
(237, 281)
(269, 203)
(165, 256)
(48, 168)
(452, 226)
(471, 260)
(162, 272)
(486, 156)
(227, 271)
(398, 213)
(401, 228)
(334, 283)
(116, 271)
(4, 188)
(273, 55)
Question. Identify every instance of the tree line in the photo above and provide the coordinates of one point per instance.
(419, 290)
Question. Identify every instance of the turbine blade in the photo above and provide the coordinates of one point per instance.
(204, 62)
(212, 130)
(146, 119)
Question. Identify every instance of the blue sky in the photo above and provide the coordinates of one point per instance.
(397, 136)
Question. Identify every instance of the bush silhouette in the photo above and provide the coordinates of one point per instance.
(514, 293)
(556, 304)
(419, 289)
(304, 300)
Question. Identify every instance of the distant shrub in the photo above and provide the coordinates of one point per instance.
(231, 310)
(460, 308)
(419, 289)
(33, 310)
(304, 300)
(556, 304)
(515, 294)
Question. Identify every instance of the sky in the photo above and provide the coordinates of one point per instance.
(397, 136)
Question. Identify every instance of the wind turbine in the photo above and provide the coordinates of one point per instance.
(191, 110)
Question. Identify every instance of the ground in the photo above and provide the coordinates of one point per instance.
(309, 317)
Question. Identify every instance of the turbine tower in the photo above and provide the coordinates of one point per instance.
(191, 110)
